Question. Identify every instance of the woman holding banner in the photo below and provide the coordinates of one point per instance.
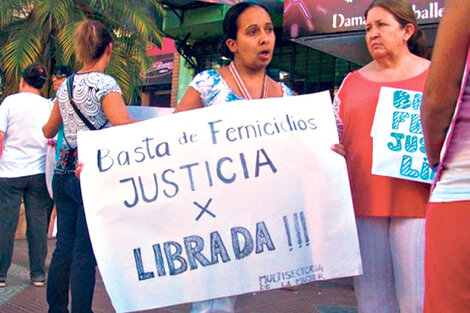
(249, 42)
(389, 211)
(447, 218)
(89, 100)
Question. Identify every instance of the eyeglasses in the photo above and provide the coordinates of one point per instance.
(59, 76)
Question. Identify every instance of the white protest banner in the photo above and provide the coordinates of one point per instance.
(398, 142)
(230, 199)
(146, 112)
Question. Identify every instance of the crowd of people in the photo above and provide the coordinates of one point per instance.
(412, 235)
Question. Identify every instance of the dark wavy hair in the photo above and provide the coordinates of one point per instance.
(230, 25)
(404, 14)
(35, 75)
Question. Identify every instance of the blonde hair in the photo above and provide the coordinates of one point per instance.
(91, 39)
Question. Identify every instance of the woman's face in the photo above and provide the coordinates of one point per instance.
(255, 40)
(57, 80)
(384, 35)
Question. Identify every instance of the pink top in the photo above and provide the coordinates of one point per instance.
(374, 195)
(453, 180)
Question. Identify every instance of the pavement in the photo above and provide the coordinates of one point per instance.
(332, 296)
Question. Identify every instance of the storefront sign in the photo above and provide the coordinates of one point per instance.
(398, 142)
(160, 71)
(317, 17)
(219, 201)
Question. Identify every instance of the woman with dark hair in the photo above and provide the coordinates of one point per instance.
(248, 41)
(389, 211)
(22, 168)
(90, 100)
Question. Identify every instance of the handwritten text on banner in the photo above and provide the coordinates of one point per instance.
(398, 137)
(235, 198)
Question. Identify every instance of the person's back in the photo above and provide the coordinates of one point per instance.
(24, 146)
(97, 98)
(88, 91)
(22, 167)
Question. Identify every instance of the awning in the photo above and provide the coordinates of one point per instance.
(168, 47)
(201, 21)
(336, 26)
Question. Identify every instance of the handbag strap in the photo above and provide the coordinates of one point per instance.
(76, 109)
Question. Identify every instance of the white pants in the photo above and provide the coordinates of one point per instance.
(219, 305)
(392, 251)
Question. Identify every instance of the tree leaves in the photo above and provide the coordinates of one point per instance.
(41, 31)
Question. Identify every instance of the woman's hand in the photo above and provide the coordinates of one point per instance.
(339, 148)
(78, 169)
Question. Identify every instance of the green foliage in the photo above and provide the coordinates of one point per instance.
(41, 31)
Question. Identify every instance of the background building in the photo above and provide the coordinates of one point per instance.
(318, 41)
(156, 89)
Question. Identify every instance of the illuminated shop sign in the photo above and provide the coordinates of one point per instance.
(160, 71)
(316, 17)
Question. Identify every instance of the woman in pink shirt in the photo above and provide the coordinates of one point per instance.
(389, 211)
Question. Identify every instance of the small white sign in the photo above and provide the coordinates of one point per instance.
(398, 142)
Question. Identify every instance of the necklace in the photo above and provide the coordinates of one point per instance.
(241, 85)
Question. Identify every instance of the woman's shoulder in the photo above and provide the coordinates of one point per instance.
(102, 77)
(286, 90)
(98, 83)
(205, 75)
(93, 77)
(353, 83)
(418, 66)
(101, 81)
(352, 78)
(412, 68)
(207, 79)
(421, 62)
